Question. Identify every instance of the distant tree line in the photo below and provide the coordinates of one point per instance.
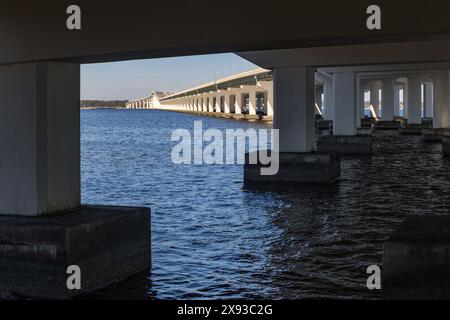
(103, 103)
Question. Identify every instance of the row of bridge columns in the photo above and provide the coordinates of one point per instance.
(343, 102)
(385, 99)
(139, 104)
(231, 100)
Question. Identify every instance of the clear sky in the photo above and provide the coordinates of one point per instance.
(136, 79)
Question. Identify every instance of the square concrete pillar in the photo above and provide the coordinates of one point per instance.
(375, 97)
(345, 113)
(270, 104)
(226, 103)
(294, 114)
(397, 89)
(360, 102)
(252, 102)
(328, 113)
(441, 99)
(238, 103)
(39, 138)
(387, 99)
(217, 103)
(414, 100)
(428, 100)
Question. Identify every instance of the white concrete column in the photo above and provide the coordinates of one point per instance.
(414, 100)
(294, 112)
(375, 97)
(270, 102)
(238, 102)
(268, 87)
(39, 138)
(252, 102)
(359, 102)
(397, 89)
(217, 104)
(387, 96)
(405, 99)
(441, 99)
(318, 94)
(345, 112)
(209, 102)
(428, 100)
(328, 100)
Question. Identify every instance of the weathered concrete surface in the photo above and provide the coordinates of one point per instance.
(39, 138)
(296, 169)
(446, 146)
(434, 135)
(416, 259)
(324, 124)
(364, 132)
(109, 244)
(345, 144)
(387, 125)
(427, 122)
(411, 129)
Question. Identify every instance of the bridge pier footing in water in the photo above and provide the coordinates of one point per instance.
(108, 244)
(416, 259)
(43, 227)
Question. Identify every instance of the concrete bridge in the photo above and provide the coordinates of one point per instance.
(40, 125)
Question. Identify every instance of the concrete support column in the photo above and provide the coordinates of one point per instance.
(360, 103)
(226, 103)
(210, 103)
(387, 99)
(375, 97)
(428, 100)
(217, 104)
(328, 100)
(345, 112)
(204, 104)
(294, 114)
(252, 102)
(270, 105)
(268, 88)
(414, 100)
(318, 95)
(39, 138)
(441, 99)
(397, 89)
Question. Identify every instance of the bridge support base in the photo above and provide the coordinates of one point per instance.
(109, 244)
(296, 169)
(360, 144)
(434, 135)
(446, 146)
(416, 259)
(411, 129)
(387, 125)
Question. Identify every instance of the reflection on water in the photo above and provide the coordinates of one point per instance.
(212, 239)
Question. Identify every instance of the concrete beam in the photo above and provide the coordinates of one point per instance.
(42, 34)
(345, 113)
(294, 114)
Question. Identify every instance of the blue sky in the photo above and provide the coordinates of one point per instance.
(135, 79)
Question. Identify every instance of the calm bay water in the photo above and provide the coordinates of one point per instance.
(212, 239)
